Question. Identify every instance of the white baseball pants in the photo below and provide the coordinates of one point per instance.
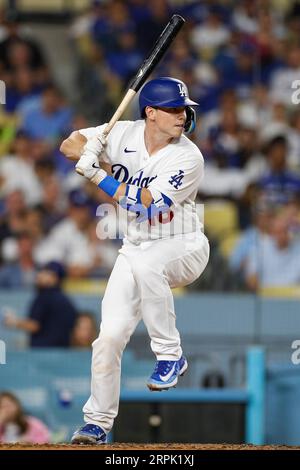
(140, 288)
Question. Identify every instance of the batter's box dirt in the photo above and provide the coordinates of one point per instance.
(133, 446)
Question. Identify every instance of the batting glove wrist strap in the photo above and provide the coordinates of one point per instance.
(99, 176)
(108, 184)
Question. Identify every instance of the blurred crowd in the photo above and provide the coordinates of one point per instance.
(17, 426)
(239, 61)
(52, 319)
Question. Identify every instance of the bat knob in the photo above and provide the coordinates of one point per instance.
(79, 171)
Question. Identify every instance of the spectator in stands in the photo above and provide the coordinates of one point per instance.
(23, 89)
(279, 185)
(127, 58)
(275, 261)
(17, 50)
(211, 120)
(181, 57)
(293, 21)
(68, 242)
(104, 245)
(12, 219)
(282, 79)
(276, 123)
(222, 181)
(241, 75)
(35, 225)
(245, 17)
(52, 315)
(226, 137)
(153, 23)
(54, 203)
(250, 239)
(20, 272)
(85, 330)
(17, 170)
(50, 118)
(110, 23)
(211, 34)
(16, 426)
(294, 140)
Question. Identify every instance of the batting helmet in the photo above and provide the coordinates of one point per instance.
(167, 92)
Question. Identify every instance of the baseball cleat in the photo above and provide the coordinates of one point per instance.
(89, 434)
(183, 365)
(166, 374)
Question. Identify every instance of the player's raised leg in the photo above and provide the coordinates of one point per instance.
(158, 267)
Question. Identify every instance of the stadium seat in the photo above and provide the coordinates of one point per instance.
(227, 245)
(220, 219)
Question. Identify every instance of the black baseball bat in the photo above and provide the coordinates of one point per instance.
(160, 47)
(162, 44)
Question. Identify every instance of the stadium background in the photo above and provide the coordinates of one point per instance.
(68, 69)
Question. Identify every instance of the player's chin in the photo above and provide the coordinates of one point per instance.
(177, 131)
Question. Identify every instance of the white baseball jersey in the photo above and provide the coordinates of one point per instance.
(157, 255)
(175, 171)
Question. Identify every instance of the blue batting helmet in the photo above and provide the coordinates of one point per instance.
(167, 92)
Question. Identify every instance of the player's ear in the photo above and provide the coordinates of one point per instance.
(150, 113)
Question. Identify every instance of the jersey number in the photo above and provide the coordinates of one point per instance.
(163, 218)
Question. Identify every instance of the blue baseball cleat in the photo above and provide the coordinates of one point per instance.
(166, 374)
(89, 434)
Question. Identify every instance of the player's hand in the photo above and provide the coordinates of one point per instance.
(95, 146)
(89, 166)
(10, 320)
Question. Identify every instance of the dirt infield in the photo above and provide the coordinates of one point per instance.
(133, 446)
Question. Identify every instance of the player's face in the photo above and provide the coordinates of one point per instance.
(170, 121)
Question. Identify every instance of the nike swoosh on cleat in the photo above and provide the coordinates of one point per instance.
(128, 151)
(95, 166)
(169, 374)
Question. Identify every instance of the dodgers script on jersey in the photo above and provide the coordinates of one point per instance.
(176, 171)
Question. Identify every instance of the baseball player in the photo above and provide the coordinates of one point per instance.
(153, 171)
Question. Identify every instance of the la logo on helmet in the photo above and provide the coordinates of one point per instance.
(182, 89)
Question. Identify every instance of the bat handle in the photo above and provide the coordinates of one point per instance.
(80, 172)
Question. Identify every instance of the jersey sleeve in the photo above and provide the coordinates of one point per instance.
(179, 179)
(92, 131)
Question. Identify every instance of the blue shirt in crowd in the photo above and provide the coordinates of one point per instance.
(56, 315)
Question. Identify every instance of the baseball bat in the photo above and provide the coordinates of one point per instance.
(159, 49)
